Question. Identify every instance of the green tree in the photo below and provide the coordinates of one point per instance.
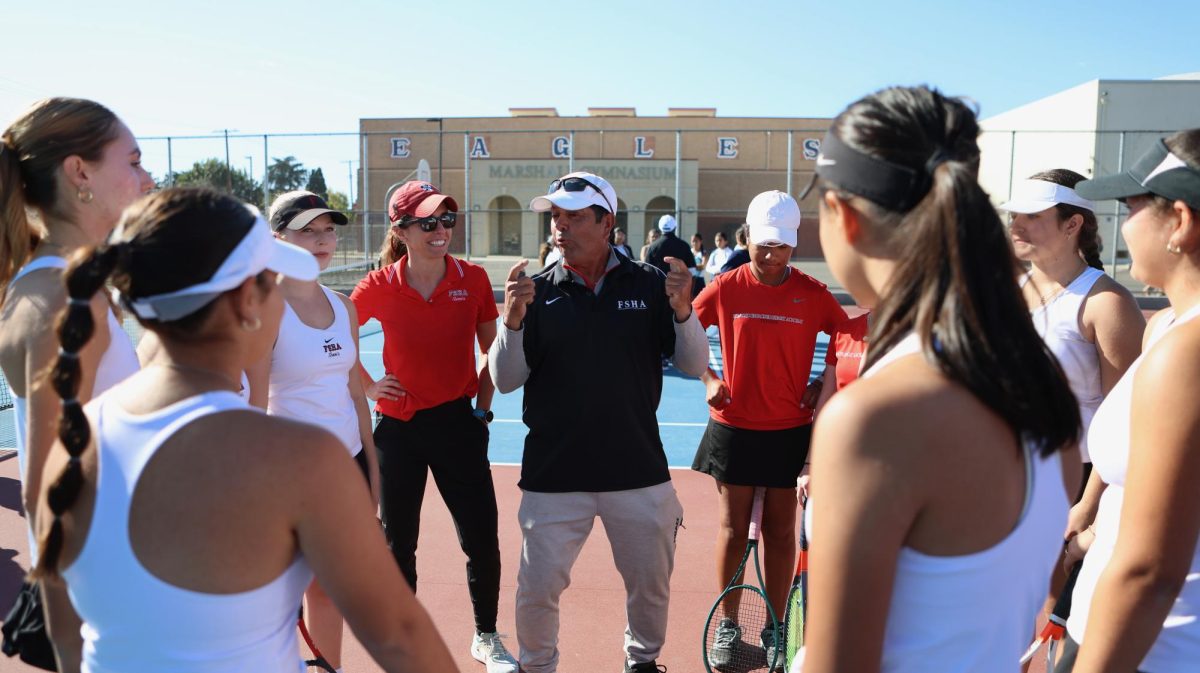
(339, 201)
(285, 174)
(213, 174)
(316, 184)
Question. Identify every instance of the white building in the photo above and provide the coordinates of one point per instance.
(1096, 128)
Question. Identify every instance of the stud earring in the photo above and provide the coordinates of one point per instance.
(84, 194)
(252, 326)
(1174, 249)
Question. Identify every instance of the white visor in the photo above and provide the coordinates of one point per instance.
(1034, 196)
(258, 251)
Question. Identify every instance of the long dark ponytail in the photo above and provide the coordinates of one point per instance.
(955, 281)
(168, 241)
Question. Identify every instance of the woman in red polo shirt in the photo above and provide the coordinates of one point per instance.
(760, 424)
(433, 309)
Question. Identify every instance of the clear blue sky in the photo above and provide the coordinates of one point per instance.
(274, 66)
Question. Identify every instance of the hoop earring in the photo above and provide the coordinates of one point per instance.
(252, 326)
(84, 194)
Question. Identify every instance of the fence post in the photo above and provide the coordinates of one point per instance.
(1117, 205)
(571, 154)
(1012, 160)
(467, 187)
(789, 163)
(678, 165)
(266, 174)
(170, 165)
(365, 193)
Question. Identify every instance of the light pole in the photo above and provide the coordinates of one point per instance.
(228, 170)
(251, 160)
(349, 180)
(439, 120)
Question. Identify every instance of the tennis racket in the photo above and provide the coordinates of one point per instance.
(318, 662)
(741, 627)
(797, 602)
(1056, 624)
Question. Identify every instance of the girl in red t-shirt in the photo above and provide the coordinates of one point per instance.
(760, 424)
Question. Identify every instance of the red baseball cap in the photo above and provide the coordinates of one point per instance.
(417, 199)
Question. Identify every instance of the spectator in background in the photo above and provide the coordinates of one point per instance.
(553, 254)
(620, 244)
(740, 254)
(669, 245)
(651, 237)
(698, 270)
(719, 255)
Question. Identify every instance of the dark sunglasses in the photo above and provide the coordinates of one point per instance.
(428, 224)
(578, 185)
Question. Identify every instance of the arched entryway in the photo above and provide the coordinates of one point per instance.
(505, 237)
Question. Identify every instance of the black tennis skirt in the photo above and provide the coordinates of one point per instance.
(770, 458)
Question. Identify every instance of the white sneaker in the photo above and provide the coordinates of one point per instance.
(487, 648)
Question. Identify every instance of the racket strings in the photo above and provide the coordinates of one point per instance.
(735, 632)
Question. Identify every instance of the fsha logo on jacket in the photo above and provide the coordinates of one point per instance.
(631, 305)
(459, 295)
(332, 348)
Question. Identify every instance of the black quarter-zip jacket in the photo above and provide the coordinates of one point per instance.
(595, 380)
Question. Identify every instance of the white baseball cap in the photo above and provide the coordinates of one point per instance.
(576, 191)
(1034, 196)
(773, 218)
(667, 223)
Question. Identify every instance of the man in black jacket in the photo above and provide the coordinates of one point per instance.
(593, 448)
(669, 245)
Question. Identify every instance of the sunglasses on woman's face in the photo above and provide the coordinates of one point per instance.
(429, 224)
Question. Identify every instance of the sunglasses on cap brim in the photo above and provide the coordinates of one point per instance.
(429, 224)
(576, 184)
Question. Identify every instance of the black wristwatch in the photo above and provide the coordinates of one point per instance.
(484, 415)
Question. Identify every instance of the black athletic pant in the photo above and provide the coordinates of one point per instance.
(450, 442)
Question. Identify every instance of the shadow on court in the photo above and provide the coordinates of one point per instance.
(10, 495)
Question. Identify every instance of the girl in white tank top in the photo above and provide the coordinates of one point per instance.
(78, 201)
(1137, 600)
(313, 371)
(938, 500)
(190, 536)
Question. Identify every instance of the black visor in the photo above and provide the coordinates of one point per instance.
(894, 187)
(1158, 172)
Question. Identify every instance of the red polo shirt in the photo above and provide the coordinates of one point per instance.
(428, 345)
(846, 350)
(768, 336)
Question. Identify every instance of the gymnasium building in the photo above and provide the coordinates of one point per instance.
(702, 168)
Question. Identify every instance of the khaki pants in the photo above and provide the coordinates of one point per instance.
(641, 526)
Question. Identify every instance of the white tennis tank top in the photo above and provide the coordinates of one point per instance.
(311, 370)
(1177, 648)
(135, 622)
(1058, 323)
(975, 613)
(118, 363)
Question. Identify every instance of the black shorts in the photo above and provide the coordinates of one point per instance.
(360, 459)
(771, 458)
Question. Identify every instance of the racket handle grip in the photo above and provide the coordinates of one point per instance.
(756, 511)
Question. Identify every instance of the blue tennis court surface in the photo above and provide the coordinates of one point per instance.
(682, 414)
